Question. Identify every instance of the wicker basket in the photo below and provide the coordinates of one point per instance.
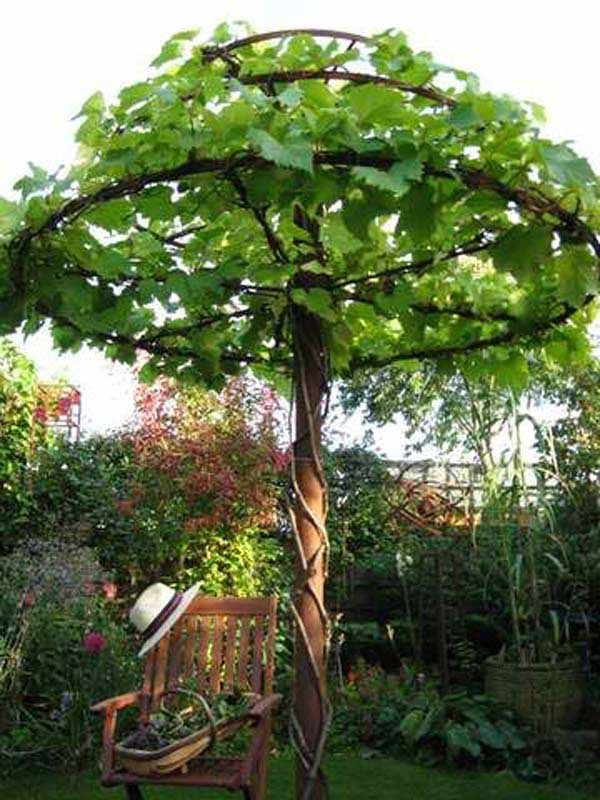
(177, 755)
(548, 695)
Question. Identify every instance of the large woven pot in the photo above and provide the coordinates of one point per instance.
(547, 695)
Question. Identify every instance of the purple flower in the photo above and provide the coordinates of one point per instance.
(94, 642)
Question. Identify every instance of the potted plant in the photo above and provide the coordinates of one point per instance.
(537, 672)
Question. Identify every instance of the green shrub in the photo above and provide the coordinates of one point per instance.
(20, 434)
(409, 716)
(63, 645)
(186, 494)
(75, 487)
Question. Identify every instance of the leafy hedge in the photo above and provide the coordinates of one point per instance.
(20, 433)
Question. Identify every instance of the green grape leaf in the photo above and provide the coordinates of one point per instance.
(397, 179)
(290, 97)
(316, 268)
(358, 214)
(222, 33)
(131, 95)
(564, 166)
(93, 106)
(169, 52)
(317, 94)
(522, 249)
(511, 371)
(375, 104)
(38, 181)
(156, 203)
(316, 300)
(114, 215)
(394, 302)
(336, 235)
(296, 154)
(464, 116)
(577, 275)
(113, 264)
(10, 215)
(417, 213)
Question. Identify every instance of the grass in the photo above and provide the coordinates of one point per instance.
(350, 779)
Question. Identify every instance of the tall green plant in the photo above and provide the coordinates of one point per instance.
(20, 433)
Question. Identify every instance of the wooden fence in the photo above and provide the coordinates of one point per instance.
(461, 482)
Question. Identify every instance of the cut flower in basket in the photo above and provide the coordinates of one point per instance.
(185, 712)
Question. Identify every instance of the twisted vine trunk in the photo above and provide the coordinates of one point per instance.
(310, 707)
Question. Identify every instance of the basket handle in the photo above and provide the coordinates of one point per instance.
(204, 703)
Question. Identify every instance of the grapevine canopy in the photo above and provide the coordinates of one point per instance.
(381, 192)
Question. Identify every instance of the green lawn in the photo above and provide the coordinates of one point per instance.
(351, 779)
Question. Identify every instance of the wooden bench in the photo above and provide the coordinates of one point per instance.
(225, 644)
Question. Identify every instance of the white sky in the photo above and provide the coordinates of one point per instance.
(55, 55)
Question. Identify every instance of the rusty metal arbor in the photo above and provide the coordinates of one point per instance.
(306, 204)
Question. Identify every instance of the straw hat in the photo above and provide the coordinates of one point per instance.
(157, 609)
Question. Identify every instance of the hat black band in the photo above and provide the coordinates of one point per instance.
(162, 616)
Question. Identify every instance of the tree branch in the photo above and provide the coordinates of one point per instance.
(465, 312)
(531, 200)
(456, 311)
(212, 53)
(199, 324)
(275, 244)
(474, 179)
(361, 78)
(154, 347)
(172, 238)
(539, 328)
(475, 245)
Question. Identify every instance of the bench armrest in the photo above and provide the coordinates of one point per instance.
(265, 704)
(116, 703)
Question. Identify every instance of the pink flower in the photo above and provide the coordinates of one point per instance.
(280, 459)
(63, 405)
(110, 590)
(40, 414)
(28, 599)
(94, 642)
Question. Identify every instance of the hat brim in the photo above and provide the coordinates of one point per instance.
(186, 599)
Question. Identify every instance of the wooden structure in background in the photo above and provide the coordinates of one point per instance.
(460, 482)
(59, 409)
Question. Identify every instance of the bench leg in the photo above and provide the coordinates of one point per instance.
(259, 779)
(133, 792)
